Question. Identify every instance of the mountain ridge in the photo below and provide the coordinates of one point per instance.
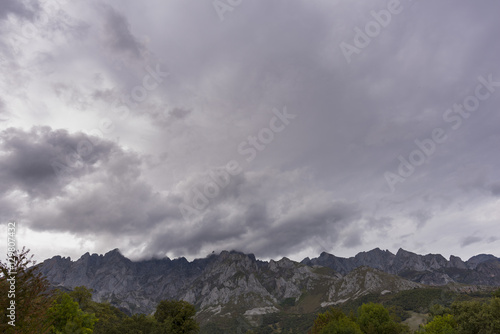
(233, 281)
(430, 269)
(237, 285)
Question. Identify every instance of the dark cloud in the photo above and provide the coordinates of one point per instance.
(24, 9)
(495, 189)
(105, 194)
(179, 113)
(265, 213)
(118, 36)
(3, 112)
(99, 188)
(492, 239)
(317, 184)
(422, 216)
(470, 240)
(353, 239)
(42, 161)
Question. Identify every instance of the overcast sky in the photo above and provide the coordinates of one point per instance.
(280, 128)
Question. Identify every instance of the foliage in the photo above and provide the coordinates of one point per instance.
(419, 300)
(178, 314)
(32, 295)
(467, 317)
(68, 318)
(83, 296)
(76, 313)
(438, 309)
(476, 317)
(323, 319)
(142, 324)
(342, 326)
(441, 324)
(109, 317)
(372, 318)
(375, 319)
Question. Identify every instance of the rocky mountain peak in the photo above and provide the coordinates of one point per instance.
(456, 262)
(236, 280)
(474, 261)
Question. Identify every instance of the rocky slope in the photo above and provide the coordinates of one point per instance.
(236, 283)
(430, 269)
(219, 284)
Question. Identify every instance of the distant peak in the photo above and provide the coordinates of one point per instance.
(403, 251)
(481, 258)
(114, 252)
(378, 250)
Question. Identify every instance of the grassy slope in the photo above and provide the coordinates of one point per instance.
(411, 306)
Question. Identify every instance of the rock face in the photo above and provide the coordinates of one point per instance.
(132, 286)
(218, 284)
(236, 282)
(430, 269)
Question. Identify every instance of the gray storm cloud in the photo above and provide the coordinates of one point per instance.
(320, 183)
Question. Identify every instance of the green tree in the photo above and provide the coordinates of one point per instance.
(323, 319)
(474, 317)
(441, 324)
(438, 309)
(68, 318)
(32, 295)
(177, 314)
(83, 296)
(376, 319)
(334, 321)
(343, 325)
(109, 318)
(494, 308)
(144, 324)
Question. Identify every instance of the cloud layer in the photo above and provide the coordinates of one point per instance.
(117, 116)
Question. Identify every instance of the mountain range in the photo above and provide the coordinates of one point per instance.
(430, 269)
(229, 283)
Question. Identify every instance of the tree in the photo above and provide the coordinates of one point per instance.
(179, 315)
(68, 318)
(441, 324)
(323, 319)
(375, 319)
(438, 309)
(83, 296)
(343, 325)
(144, 324)
(109, 318)
(474, 317)
(31, 295)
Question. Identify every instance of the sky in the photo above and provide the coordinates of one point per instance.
(278, 128)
